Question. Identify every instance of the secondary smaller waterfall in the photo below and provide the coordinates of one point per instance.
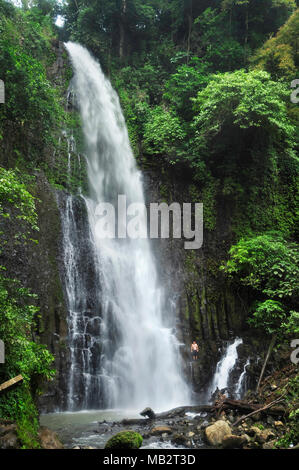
(240, 385)
(225, 366)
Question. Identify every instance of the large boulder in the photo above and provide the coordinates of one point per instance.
(8, 435)
(149, 413)
(125, 440)
(265, 436)
(48, 439)
(9, 441)
(261, 435)
(217, 432)
(233, 442)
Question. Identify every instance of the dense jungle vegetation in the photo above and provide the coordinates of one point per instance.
(206, 91)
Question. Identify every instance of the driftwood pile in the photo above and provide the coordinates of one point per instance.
(222, 403)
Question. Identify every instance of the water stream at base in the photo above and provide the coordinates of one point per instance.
(129, 357)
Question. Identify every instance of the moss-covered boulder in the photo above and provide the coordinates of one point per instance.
(125, 440)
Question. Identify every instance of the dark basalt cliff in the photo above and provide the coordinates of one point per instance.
(208, 309)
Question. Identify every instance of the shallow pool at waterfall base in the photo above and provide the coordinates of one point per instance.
(93, 428)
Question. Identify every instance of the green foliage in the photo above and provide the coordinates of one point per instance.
(184, 84)
(291, 436)
(270, 266)
(235, 109)
(279, 55)
(220, 32)
(291, 326)
(125, 440)
(163, 133)
(245, 137)
(266, 263)
(223, 49)
(32, 111)
(16, 201)
(22, 356)
(268, 316)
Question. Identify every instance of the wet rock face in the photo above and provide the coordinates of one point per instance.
(82, 294)
(207, 309)
(37, 267)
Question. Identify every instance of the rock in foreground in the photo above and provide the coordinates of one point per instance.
(48, 439)
(217, 432)
(125, 440)
(233, 442)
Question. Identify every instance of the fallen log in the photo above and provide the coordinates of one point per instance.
(181, 410)
(264, 408)
(11, 382)
(228, 403)
(239, 404)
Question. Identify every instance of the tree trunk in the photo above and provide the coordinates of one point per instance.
(122, 28)
(190, 24)
(271, 345)
(246, 33)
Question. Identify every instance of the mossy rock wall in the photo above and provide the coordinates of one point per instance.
(208, 309)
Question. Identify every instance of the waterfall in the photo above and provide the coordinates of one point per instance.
(82, 301)
(225, 366)
(131, 358)
(240, 383)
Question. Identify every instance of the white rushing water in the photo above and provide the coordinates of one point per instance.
(138, 361)
(225, 366)
(240, 384)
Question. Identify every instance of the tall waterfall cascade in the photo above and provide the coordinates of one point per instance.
(123, 349)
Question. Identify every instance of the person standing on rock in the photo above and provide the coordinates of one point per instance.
(194, 350)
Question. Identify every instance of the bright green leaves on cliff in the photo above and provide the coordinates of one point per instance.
(245, 136)
(32, 110)
(274, 318)
(270, 266)
(184, 84)
(268, 316)
(30, 96)
(31, 102)
(22, 356)
(16, 200)
(17, 206)
(18, 312)
(242, 111)
(279, 55)
(163, 133)
(266, 263)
